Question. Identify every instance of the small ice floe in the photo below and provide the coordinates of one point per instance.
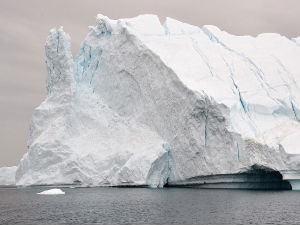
(54, 191)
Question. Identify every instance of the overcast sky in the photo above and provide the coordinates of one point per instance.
(24, 26)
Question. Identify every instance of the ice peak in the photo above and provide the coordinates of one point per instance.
(59, 59)
(103, 24)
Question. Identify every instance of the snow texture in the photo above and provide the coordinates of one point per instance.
(150, 104)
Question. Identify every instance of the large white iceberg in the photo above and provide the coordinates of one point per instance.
(173, 104)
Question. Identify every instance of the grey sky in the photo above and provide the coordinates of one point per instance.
(24, 26)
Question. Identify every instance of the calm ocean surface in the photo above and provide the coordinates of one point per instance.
(148, 206)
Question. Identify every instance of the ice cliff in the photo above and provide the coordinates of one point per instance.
(173, 104)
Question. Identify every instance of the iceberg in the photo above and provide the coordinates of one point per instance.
(7, 176)
(54, 191)
(145, 104)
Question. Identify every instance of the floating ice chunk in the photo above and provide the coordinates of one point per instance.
(54, 191)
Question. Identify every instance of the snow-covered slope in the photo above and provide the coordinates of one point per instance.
(151, 104)
(257, 78)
